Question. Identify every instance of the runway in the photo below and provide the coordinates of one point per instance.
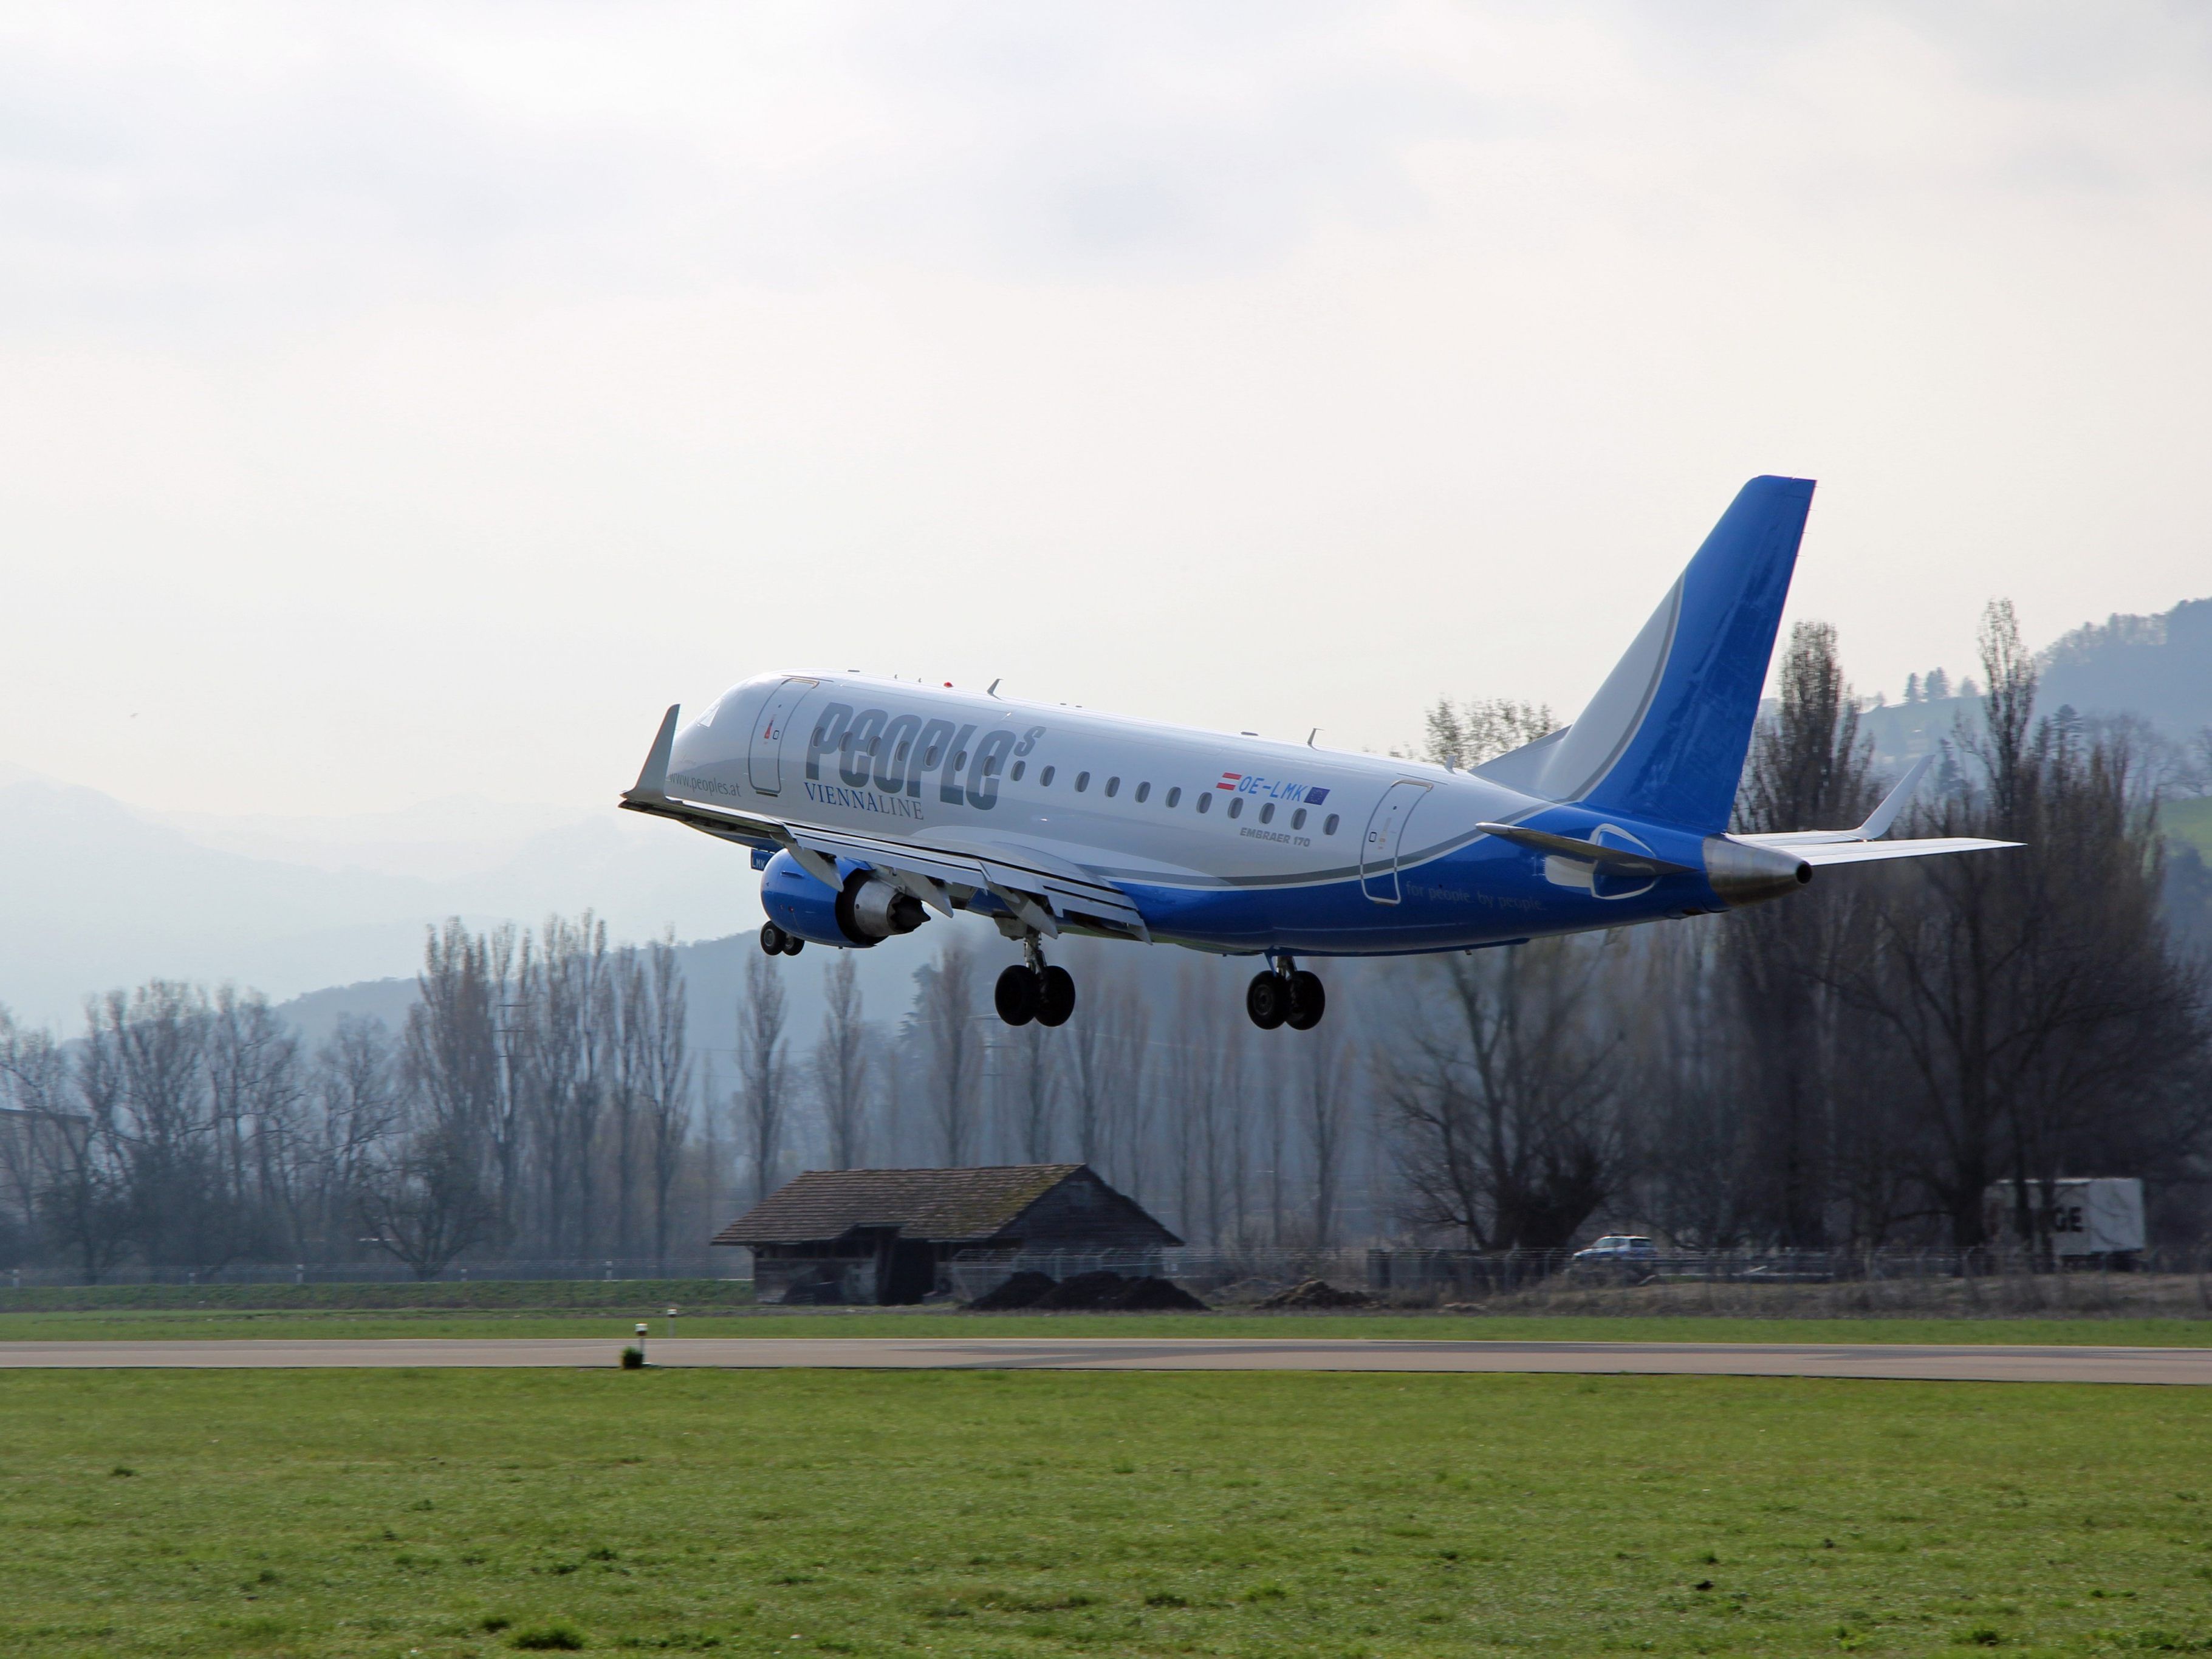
(1866, 1361)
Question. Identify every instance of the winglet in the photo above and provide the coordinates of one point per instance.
(1878, 824)
(653, 778)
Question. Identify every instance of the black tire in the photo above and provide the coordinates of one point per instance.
(1055, 996)
(772, 939)
(1016, 995)
(1307, 1001)
(792, 944)
(1266, 1000)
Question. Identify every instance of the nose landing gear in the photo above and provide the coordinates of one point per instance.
(1286, 994)
(1031, 990)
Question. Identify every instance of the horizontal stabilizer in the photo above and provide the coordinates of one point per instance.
(1625, 860)
(1865, 851)
(1874, 827)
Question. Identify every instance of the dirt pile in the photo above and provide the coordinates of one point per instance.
(1157, 1296)
(1022, 1290)
(1091, 1292)
(1315, 1295)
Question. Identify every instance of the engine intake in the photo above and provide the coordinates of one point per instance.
(863, 910)
(871, 908)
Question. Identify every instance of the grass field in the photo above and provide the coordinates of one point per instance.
(614, 1323)
(1023, 1513)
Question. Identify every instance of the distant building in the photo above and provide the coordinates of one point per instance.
(890, 1236)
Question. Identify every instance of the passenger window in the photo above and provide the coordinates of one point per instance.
(1328, 827)
(1044, 778)
(1175, 797)
(1019, 767)
(1267, 813)
(1113, 787)
(1206, 803)
(1298, 819)
(991, 765)
(1143, 790)
(1236, 807)
(929, 759)
(900, 755)
(1082, 782)
(960, 760)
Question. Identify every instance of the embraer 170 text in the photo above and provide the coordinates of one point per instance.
(868, 803)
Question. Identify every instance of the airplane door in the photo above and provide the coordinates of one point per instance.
(1378, 852)
(765, 763)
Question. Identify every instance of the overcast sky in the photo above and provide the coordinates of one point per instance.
(399, 401)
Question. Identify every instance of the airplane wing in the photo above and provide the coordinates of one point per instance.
(1041, 890)
(1874, 829)
(1864, 844)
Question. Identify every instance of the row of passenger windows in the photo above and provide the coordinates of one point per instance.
(1144, 791)
(1172, 799)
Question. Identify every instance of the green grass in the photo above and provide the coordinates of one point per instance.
(1032, 1513)
(2190, 821)
(614, 1323)
(493, 1295)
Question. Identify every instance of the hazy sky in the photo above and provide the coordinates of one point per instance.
(397, 401)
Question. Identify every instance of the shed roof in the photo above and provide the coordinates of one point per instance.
(939, 1206)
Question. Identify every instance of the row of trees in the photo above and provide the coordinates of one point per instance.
(538, 1100)
(1857, 1064)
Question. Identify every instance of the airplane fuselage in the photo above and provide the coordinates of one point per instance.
(1226, 842)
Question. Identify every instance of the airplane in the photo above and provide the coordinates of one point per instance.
(868, 803)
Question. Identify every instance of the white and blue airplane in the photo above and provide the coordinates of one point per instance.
(870, 802)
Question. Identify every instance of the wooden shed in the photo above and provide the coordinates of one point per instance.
(888, 1236)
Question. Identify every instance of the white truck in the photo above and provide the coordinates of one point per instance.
(2101, 1216)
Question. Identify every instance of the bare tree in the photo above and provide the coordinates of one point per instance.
(666, 1083)
(1504, 1110)
(840, 1065)
(2038, 1013)
(1029, 1060)
(357, 1092)
(424, 1196)
(762, 1073)
(944, 1018)
(1808, 768)
(1482, 728)
(1322, 1067)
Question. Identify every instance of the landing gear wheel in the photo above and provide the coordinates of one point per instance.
(1308, 1000)
(792, 944)
(1016, 995)
(774, 940)
(1266, 1000)
(1055, 996)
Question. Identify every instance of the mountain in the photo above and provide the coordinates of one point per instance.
(2159, 667)
(96, 894)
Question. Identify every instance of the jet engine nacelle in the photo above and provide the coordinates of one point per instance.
(864, 910)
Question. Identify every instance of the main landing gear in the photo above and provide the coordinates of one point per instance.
(1031, 991)
(777, 943)
(1286, 994)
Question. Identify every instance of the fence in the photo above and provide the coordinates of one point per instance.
(1419, 1277)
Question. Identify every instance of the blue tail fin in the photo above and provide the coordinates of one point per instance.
(1665, 735)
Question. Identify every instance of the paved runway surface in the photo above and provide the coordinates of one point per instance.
(1869, 1360)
